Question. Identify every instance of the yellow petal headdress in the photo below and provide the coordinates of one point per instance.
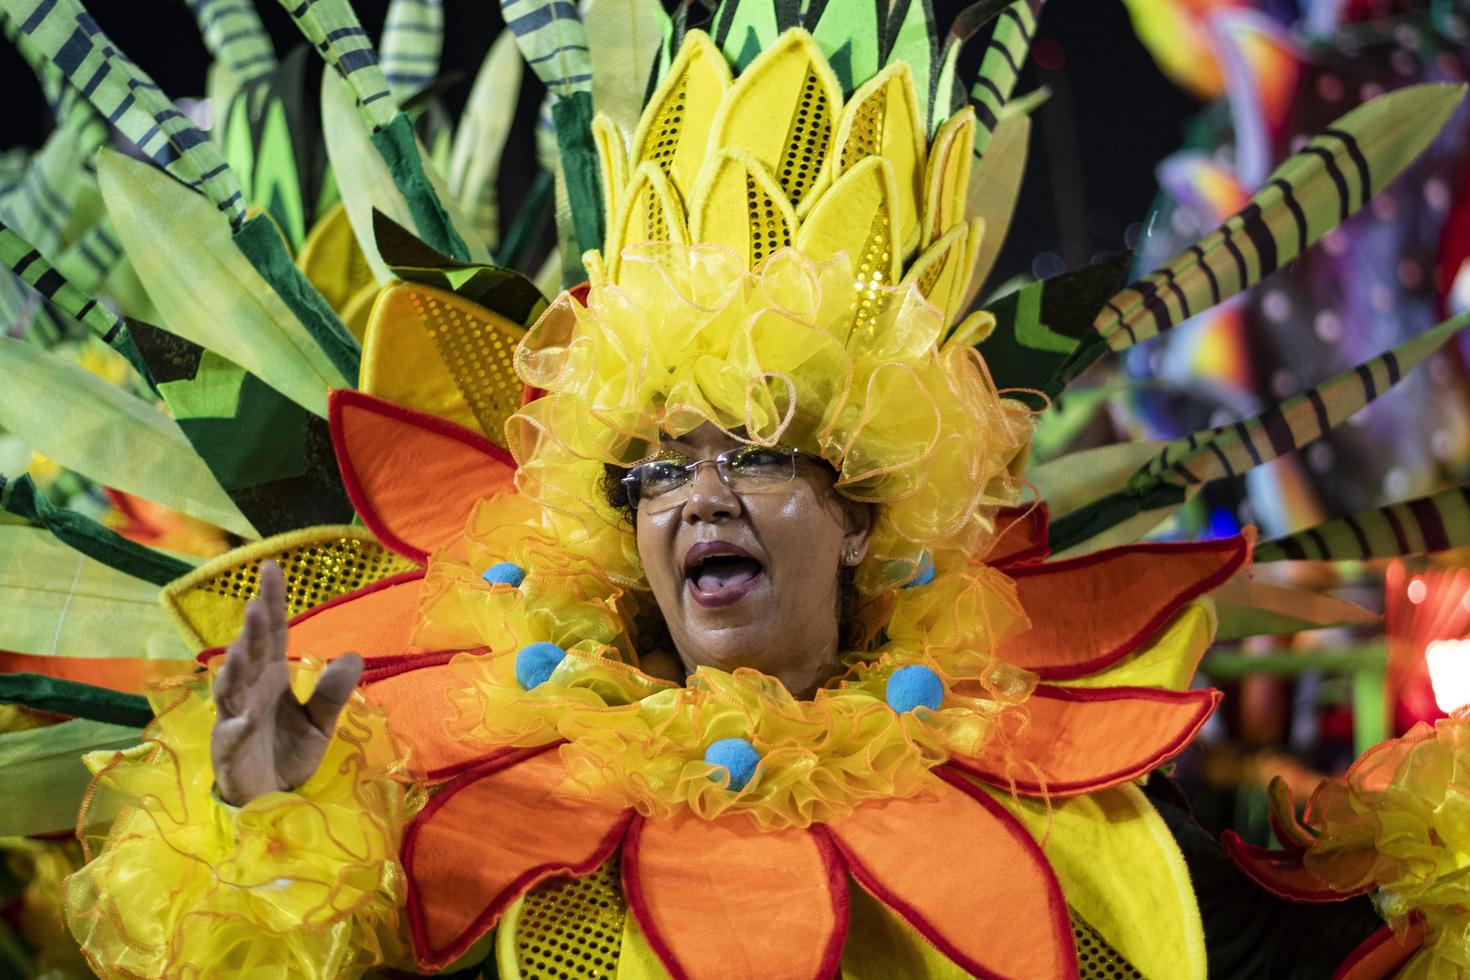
(787, 264)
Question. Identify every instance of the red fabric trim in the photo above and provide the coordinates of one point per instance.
(1207, 701)
(436, 959)
(340, 399)
(1061, 923)
(1040, 536)
(204, 656)
(1281, 872)
(837, 885)
(1375, 959)
(638, 901)
(381, 668)
(1209, 583)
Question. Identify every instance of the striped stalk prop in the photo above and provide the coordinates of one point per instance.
(235, 37)
(1186, 465)
(332, 26)
(554, 44)
(1001, 66)
(1424, 525)
(945, 97)
(26, 262)
(1312, 192)
(413, 40)
(89, 260)
(68, 106)
(41, 203)
(65, 35)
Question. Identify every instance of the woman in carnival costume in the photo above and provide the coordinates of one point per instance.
(744, 647)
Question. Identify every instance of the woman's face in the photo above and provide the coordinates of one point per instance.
(750, 579)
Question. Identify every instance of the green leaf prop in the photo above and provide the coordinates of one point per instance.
(413, 39)
(479, 142)
(333, 29)
(1313, 191)
(206, 289)
(86, 424)
(273, 458)
(43, 774)
(850, 35)
(63, 604)
(946, 97)
(20, 497)
(553, 42)
(995, 186)
(743, 28)
(623, 40)
(1424, 525)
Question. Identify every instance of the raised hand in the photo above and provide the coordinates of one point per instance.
(265, 740)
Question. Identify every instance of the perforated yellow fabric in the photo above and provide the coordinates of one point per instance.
(572, 928)
(320, 564)
(806, 142)
(478, 348)
(1096, 960)
(663, 134)
(865, 137)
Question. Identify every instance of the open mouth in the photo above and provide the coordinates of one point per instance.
(719, 574)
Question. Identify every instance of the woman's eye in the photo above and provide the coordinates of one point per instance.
(761, 460)
(661, 475)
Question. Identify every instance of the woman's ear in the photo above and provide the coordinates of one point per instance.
(859, 529)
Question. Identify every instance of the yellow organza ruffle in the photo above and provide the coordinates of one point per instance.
(1400, 819)
(302, 884)
(796, 352)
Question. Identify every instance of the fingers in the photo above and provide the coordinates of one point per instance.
(242, 663)
(333, 689)
(273, 597)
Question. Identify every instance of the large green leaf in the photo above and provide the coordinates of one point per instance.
(205, 288)
(44, 777)
(479, 142)
(86, 424)
(60, 603)
(623, 39)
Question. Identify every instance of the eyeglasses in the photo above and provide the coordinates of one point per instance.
(663, 482)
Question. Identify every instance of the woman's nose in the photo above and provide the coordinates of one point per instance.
(709, 498)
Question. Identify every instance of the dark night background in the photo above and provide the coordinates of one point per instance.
(1094, 145)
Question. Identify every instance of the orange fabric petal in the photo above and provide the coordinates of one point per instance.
(1281, 872)
(966, 875)
(1063, 741)
(1089, 612)
(720, 898)
(1020, 536)
(414, 691)
(412, 476)
(489, 837)
(130, 675)
(1382, 954)
(375, 621)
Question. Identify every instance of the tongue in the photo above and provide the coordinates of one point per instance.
(722, 573)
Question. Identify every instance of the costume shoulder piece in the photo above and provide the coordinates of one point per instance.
(779, 224)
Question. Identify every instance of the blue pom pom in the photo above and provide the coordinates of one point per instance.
(925, 575)
(535, 662)
(737, 756)
(504, 573)
(913, 686)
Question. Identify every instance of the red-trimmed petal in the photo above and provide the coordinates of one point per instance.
(413, 477)
(1281, 872)
(966, 875)
(1382, 954)
(414, 690)
(1281, 809)
(488, 838)
(1063, 741)
(1092, 611)
(1021, 535)
(722, 899)
(376, 620)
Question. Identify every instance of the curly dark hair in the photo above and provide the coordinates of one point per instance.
(653, 633)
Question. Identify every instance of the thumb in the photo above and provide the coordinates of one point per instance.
(333, 689)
